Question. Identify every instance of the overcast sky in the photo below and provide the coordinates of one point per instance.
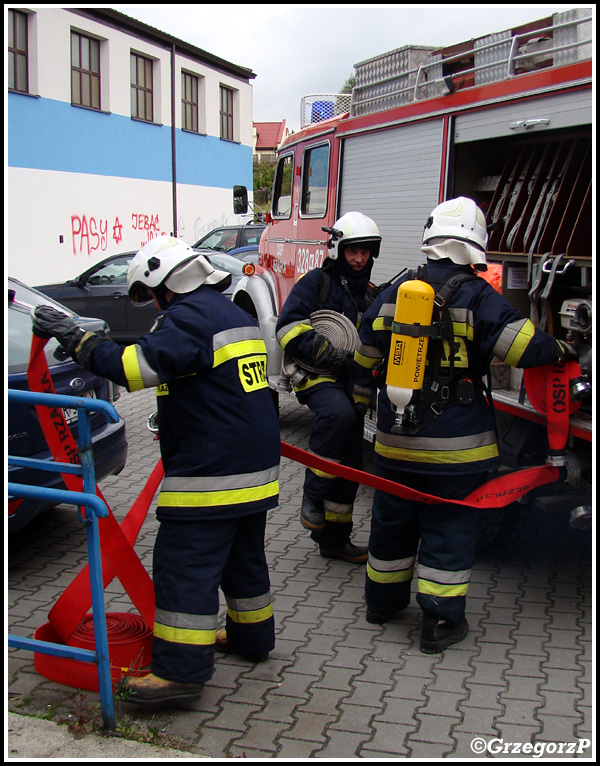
(299, 50)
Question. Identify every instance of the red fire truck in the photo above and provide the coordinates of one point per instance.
(505, 119)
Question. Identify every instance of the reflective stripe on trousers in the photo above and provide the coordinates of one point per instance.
(192, 559)
(443, 535)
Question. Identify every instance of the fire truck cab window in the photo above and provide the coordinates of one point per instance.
(282, 191)
(315, 175)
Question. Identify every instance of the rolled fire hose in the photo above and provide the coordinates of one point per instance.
(339, 331)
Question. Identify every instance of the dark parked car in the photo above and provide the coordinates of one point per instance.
(25, 437)
(101, 291)
(241, 241)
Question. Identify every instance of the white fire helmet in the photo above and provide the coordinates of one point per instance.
(167, 262)
(354, 228)
(456, 229)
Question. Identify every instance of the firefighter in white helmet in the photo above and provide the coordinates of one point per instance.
(324, 384)
(443, 442)
(207, 360)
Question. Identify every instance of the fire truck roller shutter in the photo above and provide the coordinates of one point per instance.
(393, 176)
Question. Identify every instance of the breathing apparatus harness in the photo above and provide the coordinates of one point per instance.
(442, 385)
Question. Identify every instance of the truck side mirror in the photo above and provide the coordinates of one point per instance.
(240, 200)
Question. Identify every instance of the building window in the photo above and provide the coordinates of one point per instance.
(189, 102)
(141, 88)
(17, 52)
(226, 113)
(85, 71)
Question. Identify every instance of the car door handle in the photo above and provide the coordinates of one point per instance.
(118, 295)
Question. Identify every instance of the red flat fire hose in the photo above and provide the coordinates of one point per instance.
(130, 635)
(548, 390)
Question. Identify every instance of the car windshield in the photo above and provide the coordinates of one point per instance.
(221, 239)
(114, 273)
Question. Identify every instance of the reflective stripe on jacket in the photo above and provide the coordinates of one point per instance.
(218, 429)
(462, 438)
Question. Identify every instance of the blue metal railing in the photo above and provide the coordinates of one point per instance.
(94, 508)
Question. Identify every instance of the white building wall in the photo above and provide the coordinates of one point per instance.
(86, 184)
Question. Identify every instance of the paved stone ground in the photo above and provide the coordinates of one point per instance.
(336, 686)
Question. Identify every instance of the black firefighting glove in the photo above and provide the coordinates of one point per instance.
(327, 357)
(565, 350)
(48, 322)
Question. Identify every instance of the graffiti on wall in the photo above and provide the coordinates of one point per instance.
(91, 234)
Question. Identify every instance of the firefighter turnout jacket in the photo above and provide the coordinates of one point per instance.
(335, 287)
(220, 449)
(455, 429)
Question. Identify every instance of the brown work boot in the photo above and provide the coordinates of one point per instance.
(222, 645)
(152, 689)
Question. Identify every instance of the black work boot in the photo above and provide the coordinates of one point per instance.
(312, 513)
(378, 618)
(438, 635)
(347, 551)
(222, 645)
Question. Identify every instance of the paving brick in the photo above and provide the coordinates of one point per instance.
(409, 687)
(260, 736)
(324, 701)
(498, 634)
(337, 678)
(489, 673)
(476, 721)
(519, 712)
(442, 704)
(557, 728)
(295, 685)
(294, 749)
(560, 658)
(347, 657)
(368, 695)
(433, 728)
(278, 709)
(523, 665)
(352, 718)
(309, 726)
(493, 652)
(307, 663)
(341, 745)
(251, 691)
(482, 696)
(389, 739)
(429, 750)
(560, 680)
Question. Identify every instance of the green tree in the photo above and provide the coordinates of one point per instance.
(349, 84)
(263, 184)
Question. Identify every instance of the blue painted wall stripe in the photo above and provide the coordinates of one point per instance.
(53, 135)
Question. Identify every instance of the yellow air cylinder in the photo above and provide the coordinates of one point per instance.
(408, 352)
